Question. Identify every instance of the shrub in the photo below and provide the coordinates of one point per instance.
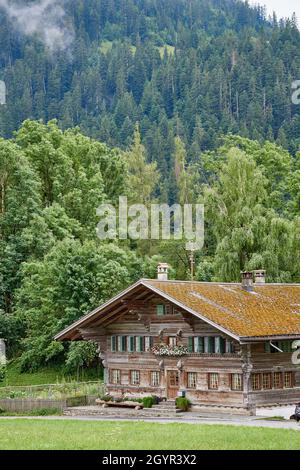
(2, 372)
(148, 402)
(45, 412)
(183, 404)
(106, 398)
(156, 400)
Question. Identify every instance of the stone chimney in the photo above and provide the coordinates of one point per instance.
(259, 276)
(162, 271)
(2, 352)
(247, 281)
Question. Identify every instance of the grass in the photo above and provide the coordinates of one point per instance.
(46, 375)
(88, 435)
(40, 412)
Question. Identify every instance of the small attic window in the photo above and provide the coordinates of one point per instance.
(161, 310)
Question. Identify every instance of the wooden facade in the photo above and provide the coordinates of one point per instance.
(215, 368)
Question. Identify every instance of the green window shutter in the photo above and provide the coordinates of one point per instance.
(131, 343)
(267, 347)
(113, 343)
(222, 345)
(160, 310)
(191, 344)
(140, 343)
(123, 342)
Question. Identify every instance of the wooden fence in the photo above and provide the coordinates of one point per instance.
(24, 405)
(18, 406)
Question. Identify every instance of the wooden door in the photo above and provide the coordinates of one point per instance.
(173, 383)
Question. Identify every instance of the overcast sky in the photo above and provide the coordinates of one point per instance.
(283, 8)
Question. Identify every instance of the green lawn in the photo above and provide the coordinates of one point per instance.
(42, 434)
(47, 375)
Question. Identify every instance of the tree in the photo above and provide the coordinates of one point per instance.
(19, 202)
(71, 280)
(237, 208)
(142, 176)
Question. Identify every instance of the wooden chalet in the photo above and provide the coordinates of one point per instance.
(217, 343)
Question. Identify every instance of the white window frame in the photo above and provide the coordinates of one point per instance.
(135, 377)
(155, 378)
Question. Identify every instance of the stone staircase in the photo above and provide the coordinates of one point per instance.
(165, 409)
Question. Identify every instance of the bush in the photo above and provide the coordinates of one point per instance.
(156, 400)
(148, 402)
(106, 398)
(2, 372)
(183, 404)
(35, 412)
(45, 412)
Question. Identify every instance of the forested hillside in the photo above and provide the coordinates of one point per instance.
(193, 68)
(160, 101)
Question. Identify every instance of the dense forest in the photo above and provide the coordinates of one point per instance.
(194, 68)
(158, 100)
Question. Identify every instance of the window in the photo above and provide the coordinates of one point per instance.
(267, 381)
(213, 381)
(172, 341)
(148, 343)
(115, 376)
(139, 340)
(277, 380)
(113, 343)
(135, 377)
(220, 345)
(161, 310)
(155, 378)
(288, 380)
(122, 340)
(209, 344)
(198, 344)
(256, 385)
(192, 379)
(130, 343)
(237, 382)
(283, 347)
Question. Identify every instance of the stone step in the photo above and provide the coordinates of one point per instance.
(119, 412)
(164, 407)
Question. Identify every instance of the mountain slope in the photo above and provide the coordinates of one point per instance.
(196, 68)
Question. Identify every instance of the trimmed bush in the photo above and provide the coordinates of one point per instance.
(148, 402)
(182, 404)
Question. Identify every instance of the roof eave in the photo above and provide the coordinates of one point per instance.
(63, 335)
(258, 339)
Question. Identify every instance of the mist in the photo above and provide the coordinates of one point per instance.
(45, 18)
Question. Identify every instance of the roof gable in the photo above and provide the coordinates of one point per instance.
(270, 311)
